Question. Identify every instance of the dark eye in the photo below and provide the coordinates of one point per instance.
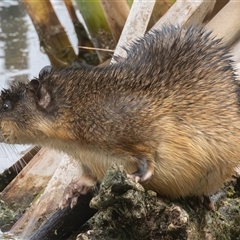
(7, 105)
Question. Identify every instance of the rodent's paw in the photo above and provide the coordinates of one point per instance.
(144, 171)
(68, 200)
(71, 194)
(80, 187)
(208, 203)
(138, 177)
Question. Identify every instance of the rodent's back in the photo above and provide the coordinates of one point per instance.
(178, 70)
(188, 74)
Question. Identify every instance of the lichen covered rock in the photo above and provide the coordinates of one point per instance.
(128, 211)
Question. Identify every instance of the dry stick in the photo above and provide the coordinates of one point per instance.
(97, 49)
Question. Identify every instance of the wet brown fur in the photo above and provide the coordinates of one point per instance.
(173, 101)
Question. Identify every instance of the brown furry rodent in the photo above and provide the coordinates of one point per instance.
(169, 113)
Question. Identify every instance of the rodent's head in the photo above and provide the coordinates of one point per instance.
(24, 112)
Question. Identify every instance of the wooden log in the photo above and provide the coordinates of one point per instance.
(226, 24)
(33, 178)
(116, 14)
(185, 12)
(40, 185)
(182, 13)
(64, 222)
(52, 35)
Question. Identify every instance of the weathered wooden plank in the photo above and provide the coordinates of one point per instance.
(49, 173)
(226, 24)
(185, 12)
(32, 178)
(135, 25)
(182, 13)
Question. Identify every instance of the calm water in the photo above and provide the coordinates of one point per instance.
(20, 55)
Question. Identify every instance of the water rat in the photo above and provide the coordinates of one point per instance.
(169, 113)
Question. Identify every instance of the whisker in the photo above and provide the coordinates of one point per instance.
(11, 172)
(27, 155)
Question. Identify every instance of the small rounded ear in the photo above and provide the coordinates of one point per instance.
(44, 71)
(43, 95)
(34, 85)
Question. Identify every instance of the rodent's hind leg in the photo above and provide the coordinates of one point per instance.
(208, 203)
(145, 170)
(79, 187)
